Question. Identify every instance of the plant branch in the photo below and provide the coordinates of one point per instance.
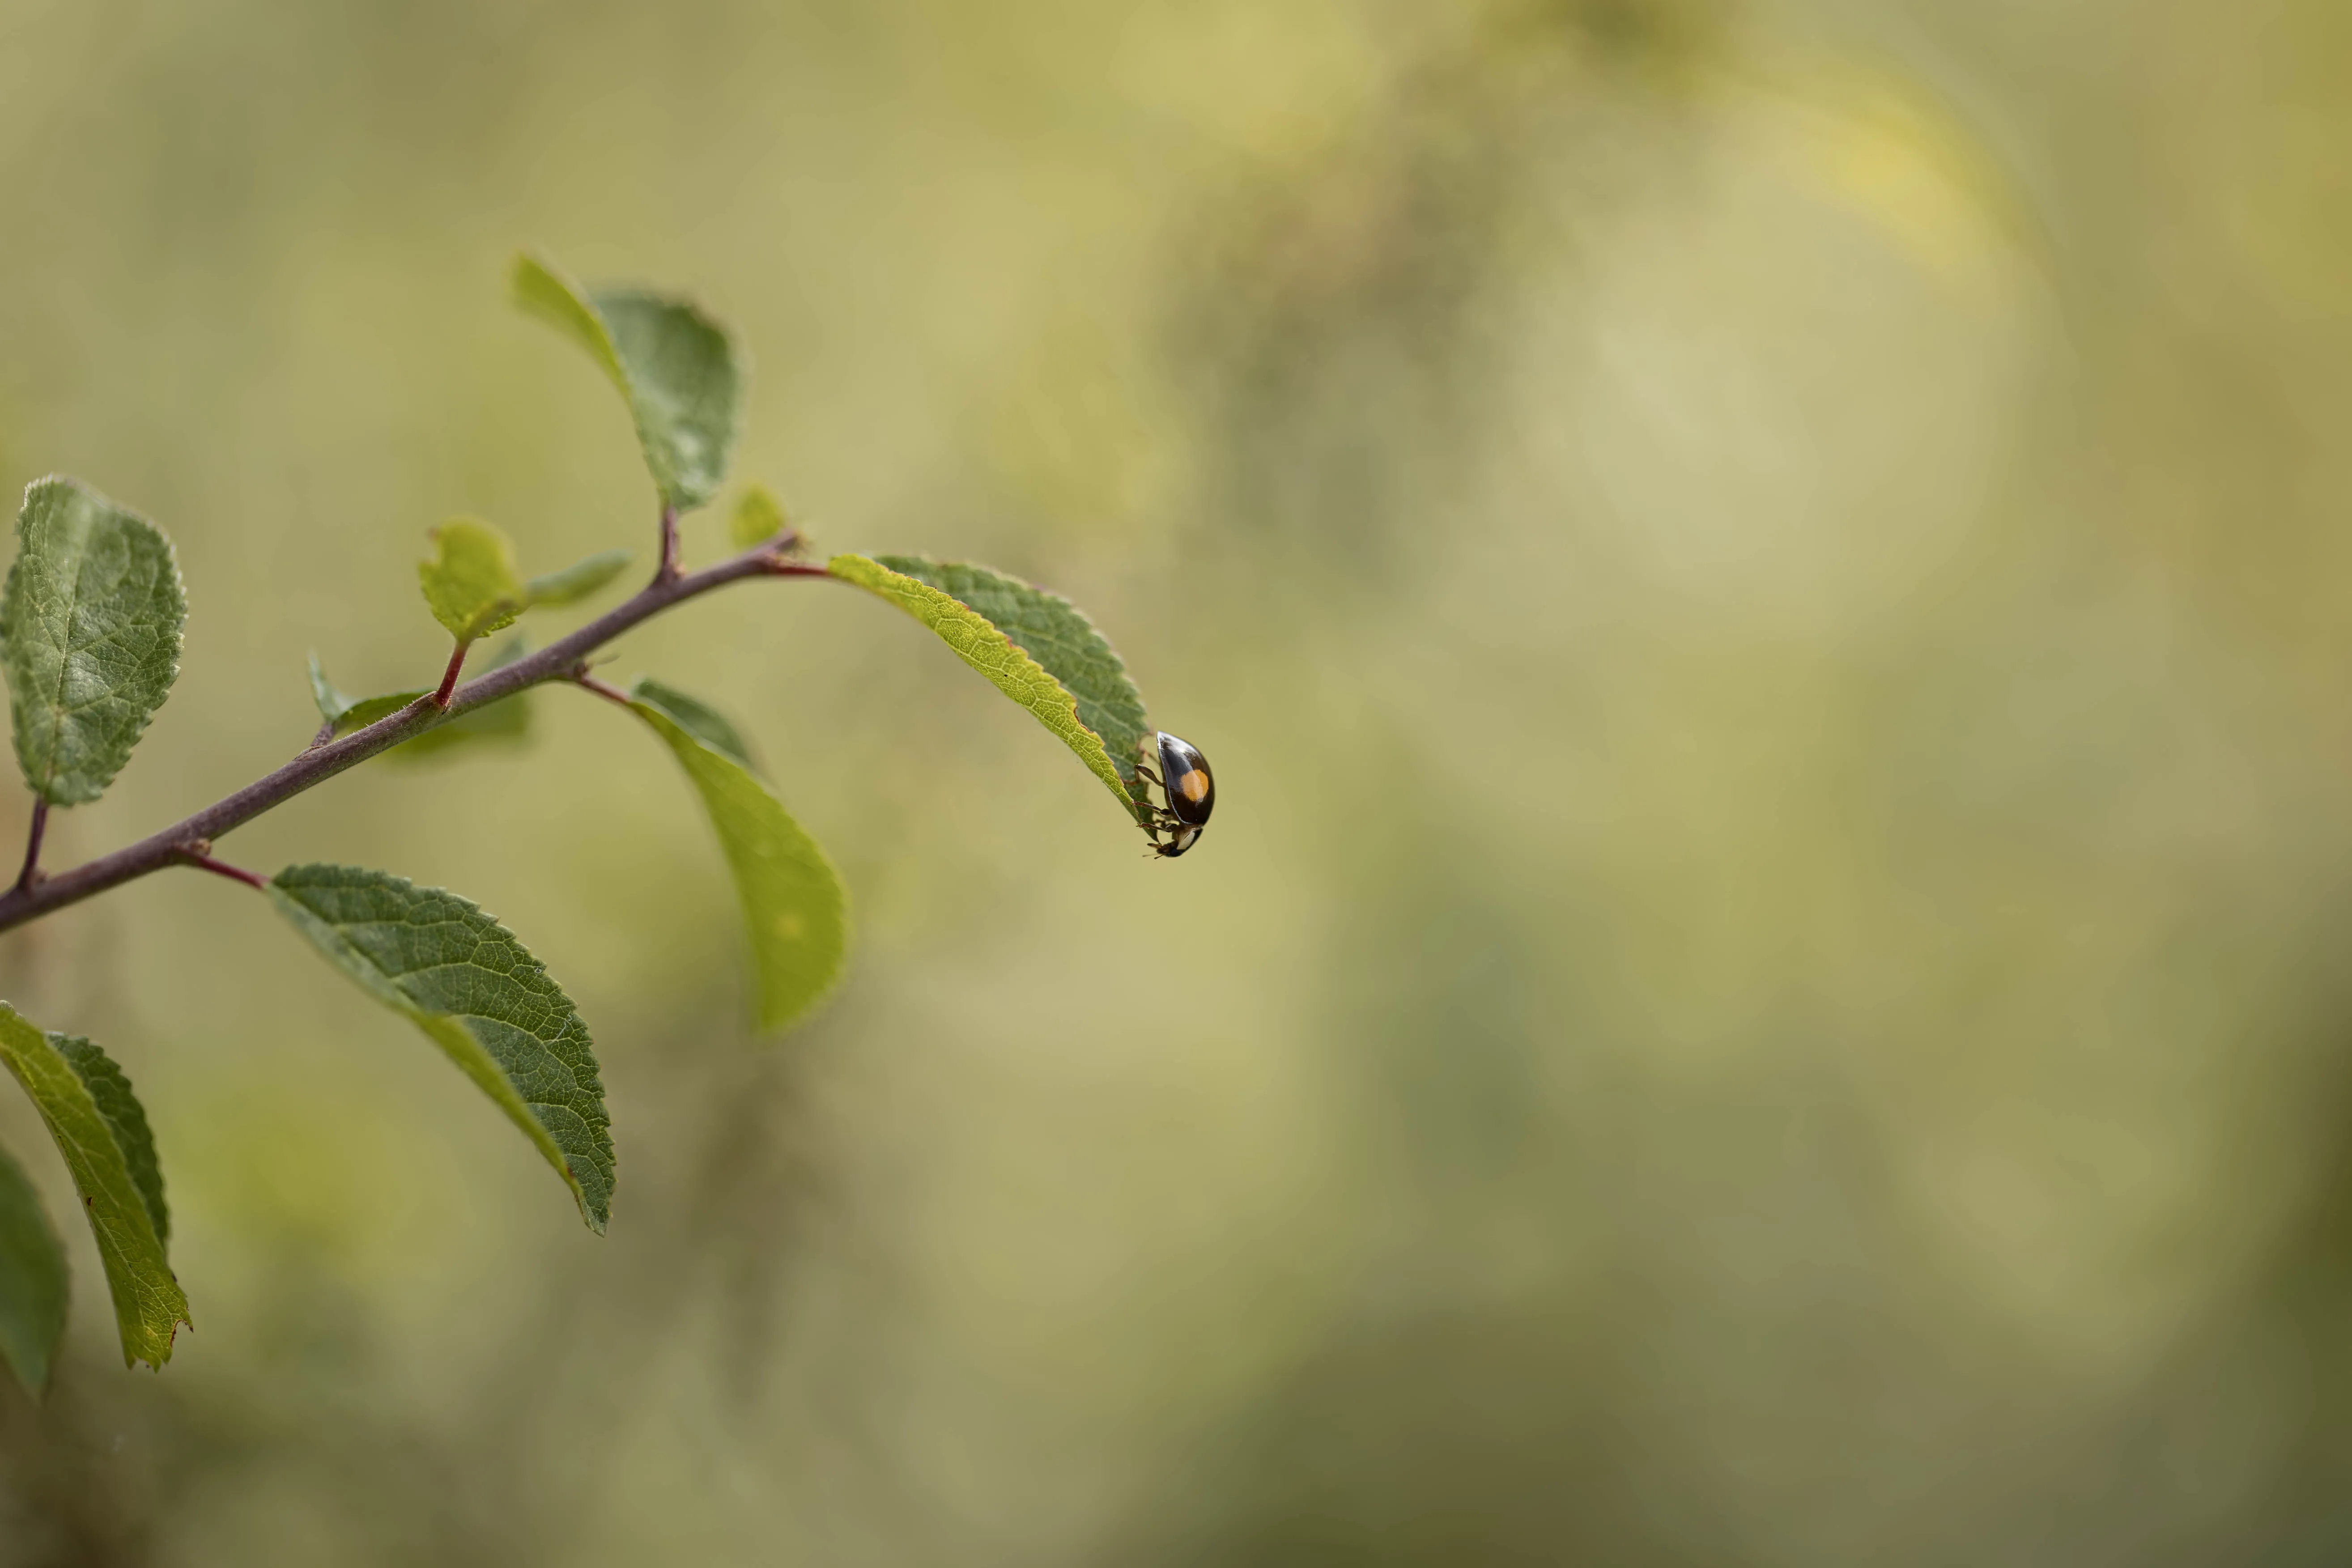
(316, 765)
(32, 871)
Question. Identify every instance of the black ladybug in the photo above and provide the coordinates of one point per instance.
(1191, 791)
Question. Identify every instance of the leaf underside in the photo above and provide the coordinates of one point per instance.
(87, 1106)
(981, 644)
(795, 911)
(680, 371)
(472, 988)
(91, 622)
(32, 1287)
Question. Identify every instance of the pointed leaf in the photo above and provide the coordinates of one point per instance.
(90, 623)
(758, 517)
(577, 581)
(981, 644)
(90, 1112)
(471, 583)
(32, 1280)
(333, 703)
(794, 909)
(462, 979)
(1058, 636)
(682, 373)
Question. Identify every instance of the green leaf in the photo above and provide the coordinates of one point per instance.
(794, 909)
(366, 711)
(32, 1280)
(90, 625)
(98, 1128)
(577, 581)
(471, 583)
(989, 650)
(333, 703)
(697, 719)
(464, 980)
(682, 373)
(110, 1090)
(1058, 636)
(507, 720)
(758, 517)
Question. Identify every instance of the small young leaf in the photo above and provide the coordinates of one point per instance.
(504, 723)
(981, 644)
(577, 581)
(758, 517)
(682, 373)
(464, 980)
(1058, 636)
(90, 623)
(471, 583)
(32, 1280)
(98, 1128)
(333, 703)
(794, 909)
(508, 719)
(366, 711)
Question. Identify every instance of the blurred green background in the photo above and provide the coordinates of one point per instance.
(1770, 589)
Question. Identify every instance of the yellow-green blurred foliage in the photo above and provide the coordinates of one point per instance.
(1770, 588)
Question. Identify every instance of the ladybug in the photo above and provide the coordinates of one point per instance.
(1191, 791)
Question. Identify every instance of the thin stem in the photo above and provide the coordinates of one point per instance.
(32, 871)
(316, 765)
(449, 675)
(194, 855)
(667, 572)
(587, 682)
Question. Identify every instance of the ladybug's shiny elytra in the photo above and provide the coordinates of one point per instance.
(1190, 789)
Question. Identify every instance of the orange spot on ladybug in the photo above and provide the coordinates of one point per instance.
(1193, 786)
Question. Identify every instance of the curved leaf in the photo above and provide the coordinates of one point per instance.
(32, 1280)
(110, 1090)
(697, 719)
(464, 980)
(98, 1128)
(90, 623)
(981, 644)
(1058, 636)
(794, 909)
(682, 373)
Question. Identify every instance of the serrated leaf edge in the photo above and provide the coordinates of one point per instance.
(1045, 694)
